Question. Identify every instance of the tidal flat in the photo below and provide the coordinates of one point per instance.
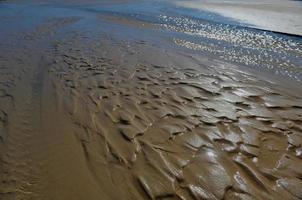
(147, 100)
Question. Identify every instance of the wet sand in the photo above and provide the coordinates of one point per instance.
(89, 111)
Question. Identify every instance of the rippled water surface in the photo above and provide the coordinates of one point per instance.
(205, 32)
(222, 37)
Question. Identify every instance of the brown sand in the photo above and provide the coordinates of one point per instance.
(114, 120)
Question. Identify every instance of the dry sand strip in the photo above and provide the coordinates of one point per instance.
(283, 16)
(109, 120)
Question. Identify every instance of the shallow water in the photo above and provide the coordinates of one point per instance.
(210, 34)
(216, 35)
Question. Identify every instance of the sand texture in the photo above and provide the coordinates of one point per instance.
(88, 115)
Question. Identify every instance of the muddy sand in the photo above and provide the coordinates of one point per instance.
(88, 111)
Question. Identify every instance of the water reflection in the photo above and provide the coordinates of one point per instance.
(200, 31)
(242, 45)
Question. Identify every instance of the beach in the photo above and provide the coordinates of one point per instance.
(144, 100)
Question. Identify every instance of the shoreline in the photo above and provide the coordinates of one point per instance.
(284, 13)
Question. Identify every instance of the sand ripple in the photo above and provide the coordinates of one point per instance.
(85, 114)
(180, 132)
